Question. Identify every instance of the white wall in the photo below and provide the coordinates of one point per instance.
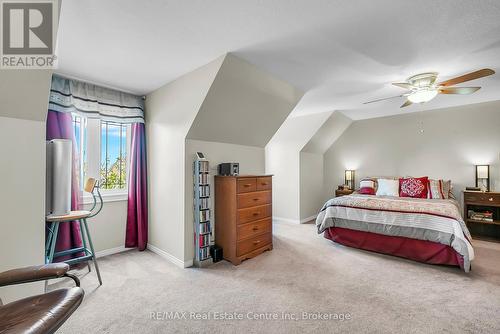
(108, 227)
(283, 160)
(311, 185)
(170, 111)
(22, 226)
(22, 152)
(311, 163)
(250, 158)
(444, 143)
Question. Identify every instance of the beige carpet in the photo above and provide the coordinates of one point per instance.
(304, 273)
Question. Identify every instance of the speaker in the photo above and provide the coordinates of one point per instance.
(216, 253)
(229, 169)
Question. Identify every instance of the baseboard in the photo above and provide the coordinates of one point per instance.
(286, 220)
(169, 257)
(294, 221)
(308, 219)
(111, 251)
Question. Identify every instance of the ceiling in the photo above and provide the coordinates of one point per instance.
(340, 53)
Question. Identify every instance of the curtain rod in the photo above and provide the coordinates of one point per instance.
(72, 77)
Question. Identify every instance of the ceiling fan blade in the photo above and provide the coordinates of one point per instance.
(404, 85)
(458, 90)
(385, 98)
(468, 77)
(406, 104)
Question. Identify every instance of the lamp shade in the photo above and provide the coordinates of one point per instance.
(483, 177)
(483, 171)
(349, 178)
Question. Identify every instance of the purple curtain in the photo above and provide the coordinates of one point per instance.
(137, 205)
(59, 126)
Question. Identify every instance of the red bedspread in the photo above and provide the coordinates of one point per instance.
(417, 250)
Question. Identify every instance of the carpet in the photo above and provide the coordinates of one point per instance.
(305, 284)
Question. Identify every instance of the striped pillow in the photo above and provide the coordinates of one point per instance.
(439, 189)
(368, 182)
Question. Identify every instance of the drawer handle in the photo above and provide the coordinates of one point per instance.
(247, 185)
(264, 183)
(490, 199)
(255, 228)
(255, 199)
(256, 242)
(255, 213)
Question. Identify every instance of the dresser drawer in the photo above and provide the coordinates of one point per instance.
(246, 185)
(482, 198)
(254, 213)
(247, 200)
(264, 183)
(252, 229)
(246, 246)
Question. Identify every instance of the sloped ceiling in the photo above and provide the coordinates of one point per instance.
(341, 53)
(244, 105)
(24, 94)
(176, 104)
(296, 131)
(328, 133)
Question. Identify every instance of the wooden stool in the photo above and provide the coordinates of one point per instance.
(80, 217)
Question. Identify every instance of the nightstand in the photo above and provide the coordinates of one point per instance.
(479, 202)
(339, 193)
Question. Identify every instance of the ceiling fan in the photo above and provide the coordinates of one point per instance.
(423, 87)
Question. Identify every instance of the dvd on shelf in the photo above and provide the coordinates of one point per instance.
(204, 203)
(204, 228)
(203, 179)
(204, 215)
(204, 190)
(204, 166)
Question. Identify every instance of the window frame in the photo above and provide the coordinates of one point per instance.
(93, 154)
(127, 160)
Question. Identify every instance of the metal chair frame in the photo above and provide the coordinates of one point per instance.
(88, 252)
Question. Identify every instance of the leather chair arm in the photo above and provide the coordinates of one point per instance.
(35, 273)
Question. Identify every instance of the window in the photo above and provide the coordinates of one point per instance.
(103, 148)
(113, 169)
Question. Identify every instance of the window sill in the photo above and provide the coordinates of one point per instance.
(106, 197)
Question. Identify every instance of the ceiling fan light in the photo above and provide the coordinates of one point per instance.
(422, 95)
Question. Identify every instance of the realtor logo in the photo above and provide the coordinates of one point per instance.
(28, 34)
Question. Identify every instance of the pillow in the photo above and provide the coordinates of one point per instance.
(439, 189)
(415, 187)
(368, 186)
(366, 191)
(388, 187)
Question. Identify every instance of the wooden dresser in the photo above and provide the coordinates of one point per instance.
(243, 216)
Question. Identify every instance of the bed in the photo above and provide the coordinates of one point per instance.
(425, 230)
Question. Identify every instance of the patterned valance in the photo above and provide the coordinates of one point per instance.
(88, 100)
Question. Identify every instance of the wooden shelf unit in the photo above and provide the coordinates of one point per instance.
(481, 201)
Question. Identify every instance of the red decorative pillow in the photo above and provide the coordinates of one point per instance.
(367, 191)
(414, 187)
